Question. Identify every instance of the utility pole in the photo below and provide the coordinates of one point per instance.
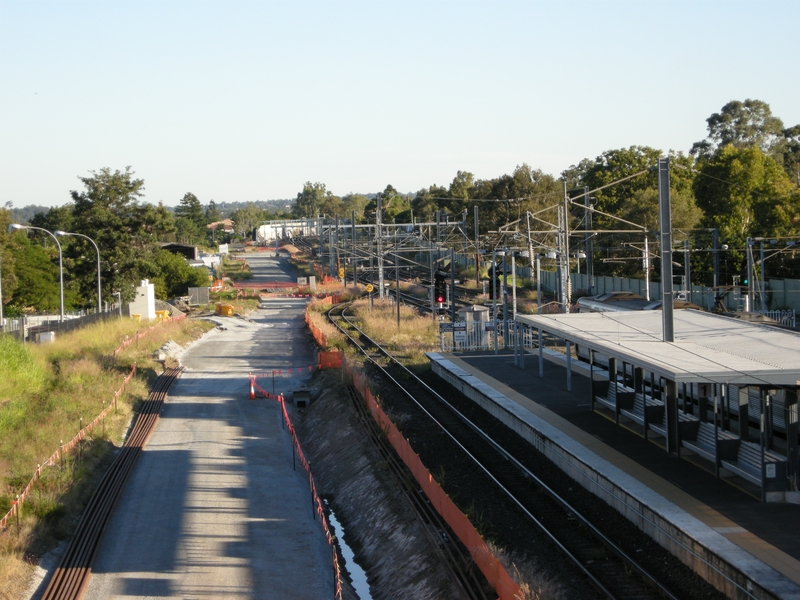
(320, 223)
(477, 249)
(762, 281)
(353, 253)
(665, 219)
(646, 264)
(453, 291)
(750, 294)
(687, 246)
(563, 258)
(715, 233)
(379, 234)
(588, 242)
(466, 239)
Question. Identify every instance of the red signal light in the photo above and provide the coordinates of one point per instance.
(440, 299)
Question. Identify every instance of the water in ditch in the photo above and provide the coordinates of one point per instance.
(357, 575)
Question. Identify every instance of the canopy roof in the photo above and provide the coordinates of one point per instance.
(707, 347)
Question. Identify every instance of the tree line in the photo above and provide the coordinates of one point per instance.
(129, 234)
(741, 180)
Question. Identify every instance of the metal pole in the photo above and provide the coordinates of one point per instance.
(353, 253)
(688, 269)
(379, 234)
(494, 297)
(477, 249)
(588, 242)
(665, 221)
(646, 263)
(453, 292)
(567, 282)
(750, 294)
(715, 233)
(321, 224)
(505, 301)
(538, 285)
(513, 286)
(466, 239)
(762, 280)
(397, 278)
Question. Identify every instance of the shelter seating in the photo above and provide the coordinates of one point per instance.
(644, 409)
(748, 462)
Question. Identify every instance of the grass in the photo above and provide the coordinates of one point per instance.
(46, 390)
(409, 342)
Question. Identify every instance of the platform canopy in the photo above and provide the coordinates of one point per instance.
(707, 347)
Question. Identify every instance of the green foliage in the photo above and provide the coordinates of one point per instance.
(108, 211)
(246, 219)
(190, 220)
(315, 200)
(20, 373)
(744, 193)
(741, 124)
(35, 282)
(171, 275)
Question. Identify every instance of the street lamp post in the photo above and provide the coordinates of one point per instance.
(96, 249)
(17, 226)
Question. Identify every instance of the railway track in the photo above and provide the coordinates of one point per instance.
(71, 577)
(612, 572)
(454, 557)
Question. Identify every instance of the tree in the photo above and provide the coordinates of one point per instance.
(107, 211)
(190, 220)
(354, 203)
(744, 193)
(246, 219)
(791, 154)
(171, 275)
(742, 124)
(308, 203)
(213, 213)
(34, 283)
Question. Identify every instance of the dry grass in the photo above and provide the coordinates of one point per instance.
(48, 389)
(533, 586)
(409, 341)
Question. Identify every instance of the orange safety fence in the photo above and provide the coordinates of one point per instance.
(63, 450)
(500, 580)
(316, 501)
(490, 566)
(329, 360)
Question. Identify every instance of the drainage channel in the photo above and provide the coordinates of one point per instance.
(357, 576)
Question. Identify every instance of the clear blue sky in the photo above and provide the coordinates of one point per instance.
(238, 101)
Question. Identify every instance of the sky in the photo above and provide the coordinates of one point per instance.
(240, 101)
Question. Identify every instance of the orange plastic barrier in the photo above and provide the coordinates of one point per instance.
(315, 499)
(500, 580)
(329, 360)
(63, 450)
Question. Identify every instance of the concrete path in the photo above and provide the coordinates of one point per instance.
(214, 508)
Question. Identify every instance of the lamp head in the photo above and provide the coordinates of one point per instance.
(15, 227)
(60, 233)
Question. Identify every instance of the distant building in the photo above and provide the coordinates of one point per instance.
(225, 225)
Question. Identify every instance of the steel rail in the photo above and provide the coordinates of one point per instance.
(455, 558)
(71, 577)
(547, 489)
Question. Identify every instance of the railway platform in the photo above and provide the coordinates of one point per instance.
(743, 546)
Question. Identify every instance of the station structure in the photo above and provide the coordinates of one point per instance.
(725, 390)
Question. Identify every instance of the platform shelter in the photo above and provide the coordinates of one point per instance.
(724, 389)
